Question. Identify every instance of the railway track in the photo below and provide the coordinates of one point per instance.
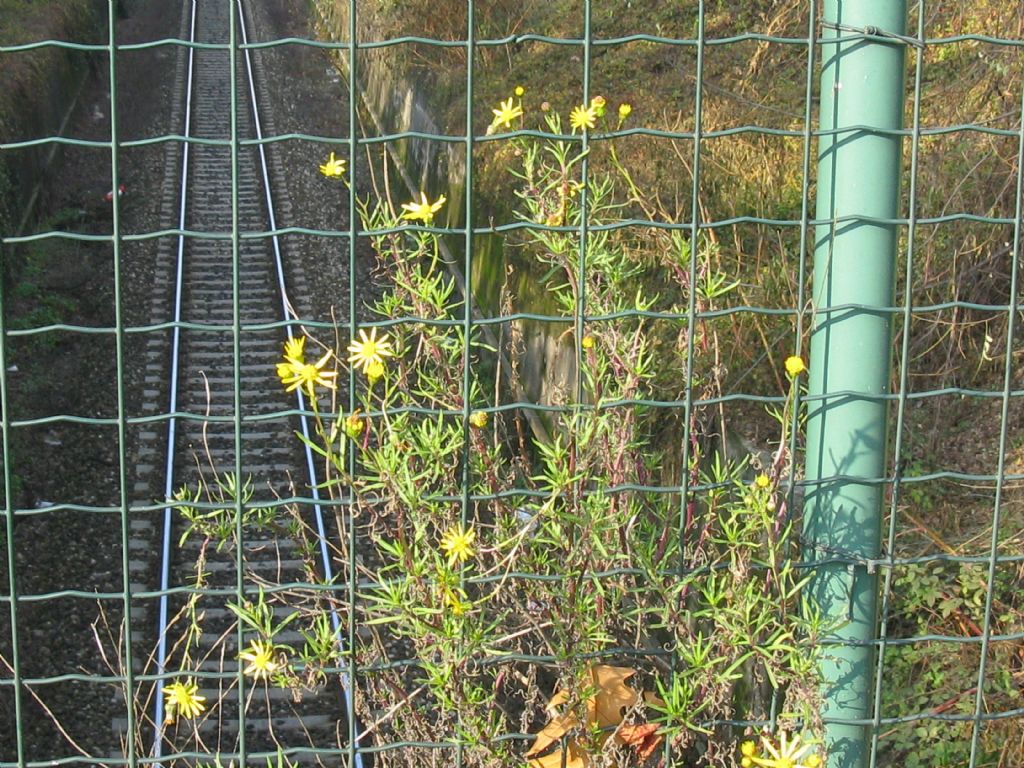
(230, 441)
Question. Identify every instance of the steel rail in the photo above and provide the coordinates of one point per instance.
(165, 547)
(286, 311)
(175, 364)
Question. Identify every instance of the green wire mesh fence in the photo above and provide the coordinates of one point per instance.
(657, 365)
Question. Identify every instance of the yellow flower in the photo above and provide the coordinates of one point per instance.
(478, 419)
(598, 104)
(455, 600)
(423, 211)
(295, 372)
(506, 113)
(369, 349)
(789, 754)
(520, 90)
(294, 349)
(374, 371)
(183, 699)
(583, 117)
(624, 110)
(260, 656)
(588, 342)
(354, 425)
(458, 544)
(748, 749)
(795, 365)
(762, 481)
(334, 167)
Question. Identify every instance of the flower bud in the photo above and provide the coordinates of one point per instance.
(354, 425)
(374, 371)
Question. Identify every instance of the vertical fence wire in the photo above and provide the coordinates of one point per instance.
(998, 504)
(352, 50)
(119, 325)
(465, 505)
(688, 505)
(239, 501)
(11, 598)
(899, 437)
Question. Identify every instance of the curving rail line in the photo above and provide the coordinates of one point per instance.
(225, 404)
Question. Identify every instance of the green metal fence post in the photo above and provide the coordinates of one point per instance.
(858, 196)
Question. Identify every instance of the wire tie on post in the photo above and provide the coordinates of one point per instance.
(851, 559)
(851, 570)
(875, 32)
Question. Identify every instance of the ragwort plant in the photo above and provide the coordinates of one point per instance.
(561, 600)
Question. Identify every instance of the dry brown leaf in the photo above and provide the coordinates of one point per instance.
(604, 709)
(556, 701)
(552, 732)
(612, 694)
(643, 738)
(574, 758)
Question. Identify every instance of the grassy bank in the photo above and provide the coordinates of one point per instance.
(37, 86)
(37, 90)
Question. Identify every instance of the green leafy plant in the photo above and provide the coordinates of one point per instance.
(567, 586)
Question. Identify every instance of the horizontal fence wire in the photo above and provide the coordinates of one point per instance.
(582, 239)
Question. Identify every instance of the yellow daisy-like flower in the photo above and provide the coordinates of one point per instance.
(479, 419)
(459, 607)
(789, 754)
(588, 342)
(369, 350)
(506, 113)
(294, 372)
(333, 168)
(260, 656)
(762, 481)
(583, 117)
(183, 699)
(795, 365)
(455, 600)
(295, 349)
(520, 90)
(424, 210)
(624, 111)
(748, 749)
(598, 104)
(458, 544)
